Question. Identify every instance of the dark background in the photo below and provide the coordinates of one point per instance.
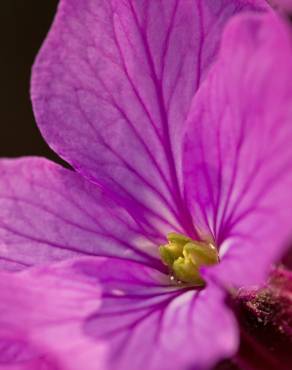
(23, 27)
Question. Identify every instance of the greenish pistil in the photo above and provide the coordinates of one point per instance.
(184, 257)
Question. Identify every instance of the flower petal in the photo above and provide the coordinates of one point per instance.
(48, 213)
(238, 158)
(146, 320)
(42, 313)
(112, 87)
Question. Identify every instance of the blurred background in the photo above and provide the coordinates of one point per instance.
(24, 24)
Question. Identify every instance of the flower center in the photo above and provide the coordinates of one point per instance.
(185, 256)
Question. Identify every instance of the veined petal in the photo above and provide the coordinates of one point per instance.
(238, 154)
(48, 213)
(112, 86)
(145, 320)
(42, 314)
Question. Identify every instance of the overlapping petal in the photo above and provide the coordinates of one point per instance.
(42, 314)
(48, 213)
(112, 87)
(150, 324)
(238, 162)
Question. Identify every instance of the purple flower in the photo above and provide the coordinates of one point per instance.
(174, 146)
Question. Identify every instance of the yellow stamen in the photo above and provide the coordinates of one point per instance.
(185, 257)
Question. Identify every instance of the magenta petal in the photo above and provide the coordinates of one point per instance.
(145, 320)
(238, 159)
(42, 314)
(48, 213)
(112, 87)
